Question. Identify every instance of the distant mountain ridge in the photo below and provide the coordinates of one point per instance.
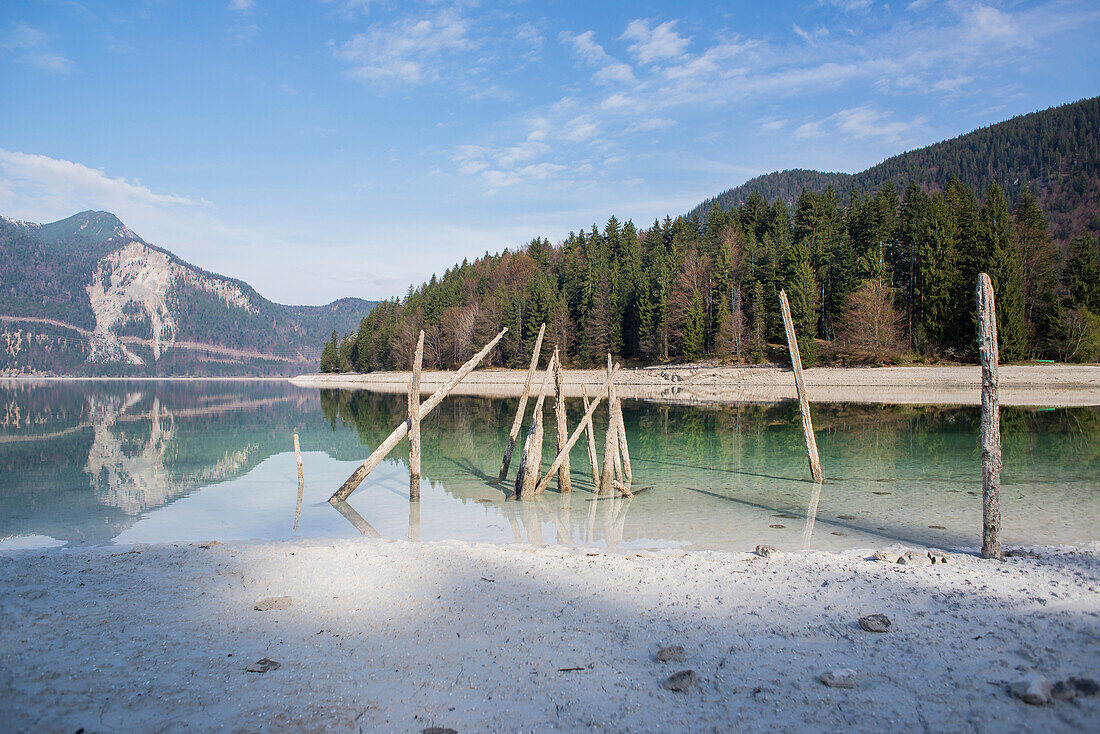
(1054, 152)
(87, 295)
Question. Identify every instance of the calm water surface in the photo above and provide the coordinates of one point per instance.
(97, 463)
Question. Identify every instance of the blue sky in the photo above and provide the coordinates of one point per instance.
(319, 149)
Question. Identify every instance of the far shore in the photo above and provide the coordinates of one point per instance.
(1058, 385)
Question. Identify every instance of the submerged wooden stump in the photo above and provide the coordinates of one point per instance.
(991, 420)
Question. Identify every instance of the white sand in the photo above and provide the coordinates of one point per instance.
(1043, 385)
(398, 636)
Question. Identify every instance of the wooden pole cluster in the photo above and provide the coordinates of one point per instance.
(593, 459)
(616, 472)
(414, 421)
(531, 461)
(800, 386)
(399, 433)
(517, 422)
(301, 482)
(991, 420)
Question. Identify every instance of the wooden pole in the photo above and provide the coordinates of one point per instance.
(398, 433)
(564, 485)
(611, 439)
(301, 482)
(586, 420)
(517, 422)
(991, 420)
(414, 421)
(800, 386)
(531, 462)
(628, 473)
(593, 461)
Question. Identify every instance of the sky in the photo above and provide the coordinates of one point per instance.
(318, 149)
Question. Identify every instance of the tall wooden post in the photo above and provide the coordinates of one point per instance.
(800, 386)
(991, 420)
(301, 482)
(593, 460)
(611, 440)
(531, 462)
(628, 473)
(517, 422)
(398, 433)
(564, 485)
(414, 421)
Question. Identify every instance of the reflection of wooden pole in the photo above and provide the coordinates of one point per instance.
(355, 519)
(398, 433)
(991, 420)
(531, 462)
(517, 422)
(586, 420)
(301, 482)
(811, 515)
(564, 485)
(593, 461)
(414, 421)
(800, 386)
(611, 439)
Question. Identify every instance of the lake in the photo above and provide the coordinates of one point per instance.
(106, 462)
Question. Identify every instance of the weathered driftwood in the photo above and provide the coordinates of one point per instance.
(301, 482)
(586, 420)
(355, 518)
(624, 489)
(531, 462)
(564, 485)
(611, 438)
(991, 420)
(628, 473)
(800, 386)
(517, 422)
(398, 433)
(593, 461)
(414, 421)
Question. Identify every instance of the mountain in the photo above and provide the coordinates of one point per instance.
(1054, 153)
(86, 295)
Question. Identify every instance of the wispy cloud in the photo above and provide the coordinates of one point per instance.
(407, 51)
(863, 123)
(242, 6)
(654, 43)
(28, 45)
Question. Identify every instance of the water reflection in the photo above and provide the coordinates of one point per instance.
(153, 462)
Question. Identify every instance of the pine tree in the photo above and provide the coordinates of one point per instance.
(1082, 273)
(997, 238)
(758, 317)
(330, 355)
(694, 328)
(802, 296)
(1039, 260)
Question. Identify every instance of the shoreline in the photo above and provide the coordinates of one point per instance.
(1040, 386)
(399, 636)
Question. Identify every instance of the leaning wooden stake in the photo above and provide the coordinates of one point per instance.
(991, 420)
(800, 386)
(628, 473)
(517, 422)
(611, 439)
(586, 420)
(564, 485)
(531, 460)
(414, 421)
(593, 461)
(398, 433)
(301, 482)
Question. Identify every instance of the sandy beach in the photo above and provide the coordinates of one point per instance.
(401, 636)
(1036, 385)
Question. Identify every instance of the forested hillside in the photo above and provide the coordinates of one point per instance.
(869, 278)
(1054, 154)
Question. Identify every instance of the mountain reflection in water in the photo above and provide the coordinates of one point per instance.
(99, 462)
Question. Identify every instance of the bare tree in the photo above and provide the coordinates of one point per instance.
(870, 324)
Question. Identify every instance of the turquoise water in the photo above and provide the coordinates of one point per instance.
(98, 463)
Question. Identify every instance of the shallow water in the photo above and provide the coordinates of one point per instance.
(96, 463)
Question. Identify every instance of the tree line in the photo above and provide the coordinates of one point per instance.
(874, 279)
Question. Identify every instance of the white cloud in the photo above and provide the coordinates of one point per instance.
(609, 69)
(242, 6)
(408, 51)
(28, 45)
(988, 23)
(862, 123)
(848, 6)
(654, 43)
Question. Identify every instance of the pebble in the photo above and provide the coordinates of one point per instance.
(875, 623)
(685, 680)
(671, 654)
(767, 551)
(1033, 688)
(263, 665)
(839, 678)
(884, 556)
(938, 556)
(1021, 553)
(271, 602)
(438, 730)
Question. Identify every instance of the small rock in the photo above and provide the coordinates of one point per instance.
(884, 556)
(937, 556)
(438, 730)
(685, 680)
(875, 623)
(1084, 686)
(1020, 553)
(1033, 689)
(839, 678)
(263, 665)
(910, 558)
(671, 654)
(767, 551)
(272, 602)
